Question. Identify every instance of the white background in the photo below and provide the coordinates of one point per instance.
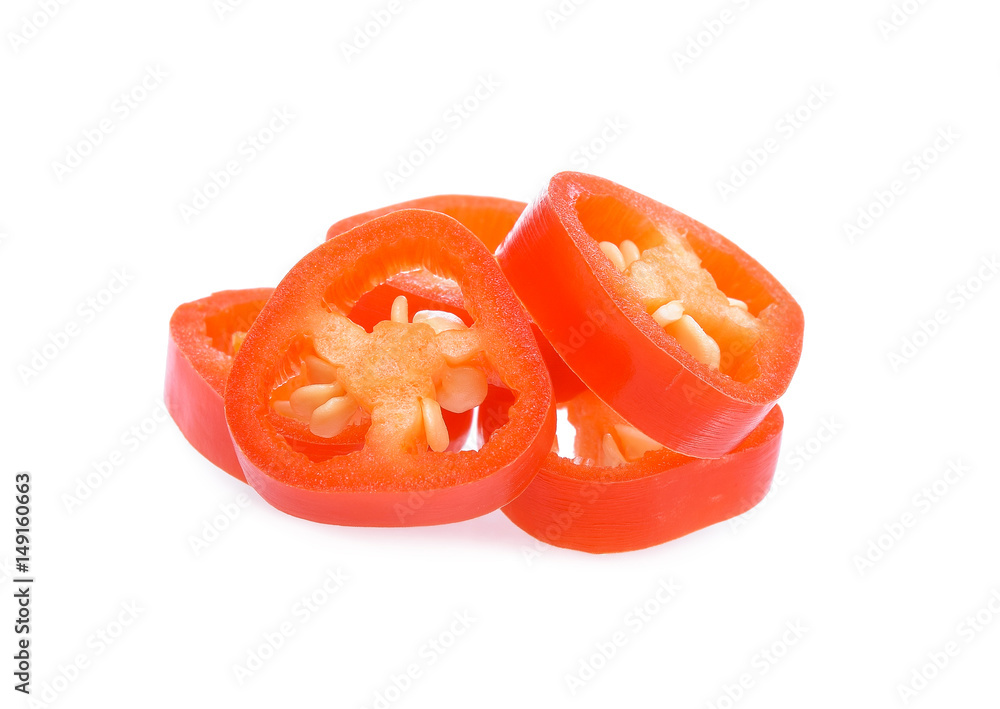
(793, 560)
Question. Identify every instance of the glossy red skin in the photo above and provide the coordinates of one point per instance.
(661, 497)
(490, 219)
(603, 333)
(363, 488)
(197, 369)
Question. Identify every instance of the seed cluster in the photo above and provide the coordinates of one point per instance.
(326, 404)
(671, 316)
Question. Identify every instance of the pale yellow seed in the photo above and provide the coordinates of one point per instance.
(614, 254)
(236, 341)
(695, 341)
(634, 443)
(461, 389)
(736, 303)
(460, 346)
(611, 456)
(400, 310)
(630, 252)
(284, 408)
(332, 417)
(319, 371)
(668, 313)
(307, 399)
(435, 431)
(439, 320)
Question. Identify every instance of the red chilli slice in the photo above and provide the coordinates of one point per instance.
(387, 373)
(596, 319)
(662, 496)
